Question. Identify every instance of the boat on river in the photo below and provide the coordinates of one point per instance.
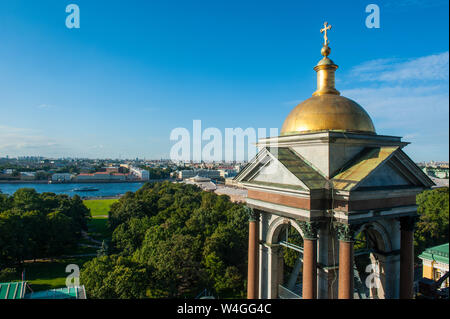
(86, 189)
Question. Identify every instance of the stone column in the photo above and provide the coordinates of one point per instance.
(346, 273)
(327, 255)
(253, 235)
(309, 259)
(407, 257)
(275, 272)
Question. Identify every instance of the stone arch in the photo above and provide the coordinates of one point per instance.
(277, 225)
(380, 239)
(381, 236)
(276, 260)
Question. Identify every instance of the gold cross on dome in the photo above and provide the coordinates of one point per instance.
(326, 27)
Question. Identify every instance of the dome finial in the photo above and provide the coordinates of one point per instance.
(325, 49)
(325, 68)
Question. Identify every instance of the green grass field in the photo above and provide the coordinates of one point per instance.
(44, 275)
(99, 207)
(99, 210)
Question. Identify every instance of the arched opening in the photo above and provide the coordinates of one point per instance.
(287, 259)
(371, 245)
(292, 249)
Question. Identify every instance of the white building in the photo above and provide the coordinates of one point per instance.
(203, 182)
(61, 177)
(140, 173)
(27, 175)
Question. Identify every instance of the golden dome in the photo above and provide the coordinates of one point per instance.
(327, 112)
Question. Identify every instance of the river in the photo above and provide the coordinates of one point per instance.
(104, 189)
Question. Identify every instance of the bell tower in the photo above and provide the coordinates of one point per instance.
(343, 190)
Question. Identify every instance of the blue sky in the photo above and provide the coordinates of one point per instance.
(135, 70)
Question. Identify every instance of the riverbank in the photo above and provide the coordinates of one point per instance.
(103, 190)
(82, 182)
(4, 181)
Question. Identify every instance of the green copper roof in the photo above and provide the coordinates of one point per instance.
(59, 293)
(361, 167)
(437, 253)
(299, 167)
(12, 290)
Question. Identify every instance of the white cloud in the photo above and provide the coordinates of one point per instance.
(408, 98)
(45, 106)
(428, 68)
(416, 3)
(403, 107)
(16, 141)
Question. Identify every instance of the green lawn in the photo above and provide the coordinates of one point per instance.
(44, 275)
(99, 207)
(98, 224)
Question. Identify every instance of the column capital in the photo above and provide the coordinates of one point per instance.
(309, 229)
(408, 223)
(253, 216)
(345, 232)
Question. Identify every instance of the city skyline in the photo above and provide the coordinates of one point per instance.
(118, 86)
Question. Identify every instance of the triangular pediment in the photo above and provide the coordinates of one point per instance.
(386, 176)
(380, 167)
(275, 172)
(281, 167)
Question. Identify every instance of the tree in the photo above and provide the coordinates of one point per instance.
(61, 233)
(432, 227)
(27, 199)
(5, 202)
(111, 277)
(175, 262)
(103, 251)
(187, 240)
(128, 237)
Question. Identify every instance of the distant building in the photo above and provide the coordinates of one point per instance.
(438, 172)
(203, 182)
(237, 195)
(184, 174)
(227, 172)
(61, 177)
(233, 183)
(435, 263)
(112, 169)
(27, 175)
(142, 174)
(440, 182)
(101, 176)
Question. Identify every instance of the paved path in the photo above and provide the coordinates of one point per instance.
(86, 236)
